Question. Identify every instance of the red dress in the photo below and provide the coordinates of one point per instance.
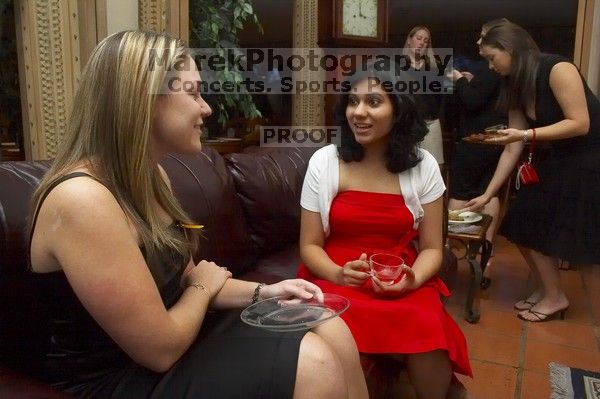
(415, 322)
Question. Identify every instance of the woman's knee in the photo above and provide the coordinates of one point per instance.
(320, 373)
(336, 332)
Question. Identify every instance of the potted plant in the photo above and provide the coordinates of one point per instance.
(215, 24)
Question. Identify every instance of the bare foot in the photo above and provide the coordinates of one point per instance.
(530, 301)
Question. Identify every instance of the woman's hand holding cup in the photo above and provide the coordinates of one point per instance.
(355, 272)
(406, 283)
(390, 275)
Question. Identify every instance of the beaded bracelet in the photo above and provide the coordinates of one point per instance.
(257, 292)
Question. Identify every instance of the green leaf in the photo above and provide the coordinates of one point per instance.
(215, 24)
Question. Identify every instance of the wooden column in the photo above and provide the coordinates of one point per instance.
(49, 65)
(307, 109)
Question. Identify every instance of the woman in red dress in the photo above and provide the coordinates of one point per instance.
(378, 192)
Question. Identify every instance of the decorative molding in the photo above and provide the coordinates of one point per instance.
(152, 15)
(307, 110)
(49, 48)
(49, 65)
(164, 16)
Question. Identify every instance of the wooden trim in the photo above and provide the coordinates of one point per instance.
(583, 35)
(101, 20)
(579, 33)
(587, 37)
(25, 75)
(593, 75)
(73, 44)
(173, 18)
(184, 20)
(325, 23)
(88, 37)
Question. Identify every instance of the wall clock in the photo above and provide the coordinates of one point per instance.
(353, 23)
(359, 18)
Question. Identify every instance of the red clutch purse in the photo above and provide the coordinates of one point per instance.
(526, 174)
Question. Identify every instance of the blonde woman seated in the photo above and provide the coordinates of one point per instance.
(378, 192)
(127, 308)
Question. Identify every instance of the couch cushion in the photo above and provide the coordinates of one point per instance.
(205, 189)
(269, 183)
(278, 266)
(20, 330)
(18, 181)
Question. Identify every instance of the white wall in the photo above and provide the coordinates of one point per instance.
(121, 15)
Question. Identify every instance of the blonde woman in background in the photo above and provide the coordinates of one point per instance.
(418, 48)
(125, 305)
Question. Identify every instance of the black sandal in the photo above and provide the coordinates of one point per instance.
(541, 317)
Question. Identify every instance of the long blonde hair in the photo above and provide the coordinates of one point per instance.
(428, 56)
(109, 132)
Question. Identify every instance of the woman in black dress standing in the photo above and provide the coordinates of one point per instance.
(548, 102)
(473, 164)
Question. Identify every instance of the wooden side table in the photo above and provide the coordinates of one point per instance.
(474, 240)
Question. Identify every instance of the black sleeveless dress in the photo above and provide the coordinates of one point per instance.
(228, 359)
(560, 215)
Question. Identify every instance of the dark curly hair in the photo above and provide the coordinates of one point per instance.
(408, 130)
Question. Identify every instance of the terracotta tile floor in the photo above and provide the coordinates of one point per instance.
(510, 357)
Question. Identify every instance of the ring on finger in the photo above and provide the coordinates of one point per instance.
(224, 268)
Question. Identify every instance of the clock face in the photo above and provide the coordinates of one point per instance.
(359, 18)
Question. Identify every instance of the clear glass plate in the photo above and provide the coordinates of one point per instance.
(468, 217)
(279, 314)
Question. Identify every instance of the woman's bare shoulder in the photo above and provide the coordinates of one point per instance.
(75, 213)
(564, 72)
(82, 207)
(81, 196)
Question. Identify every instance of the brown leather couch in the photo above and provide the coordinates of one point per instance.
(248, 203)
